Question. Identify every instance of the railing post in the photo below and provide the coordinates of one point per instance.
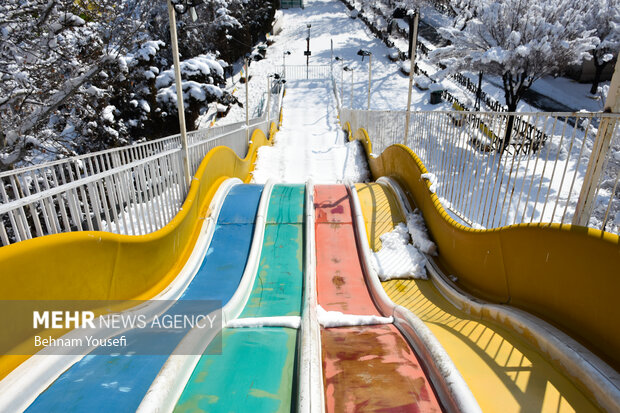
(412, 59)
(268, 109)
(351, 100)
(247, 105)
(179, 87)
(369, 77)
(602, 143)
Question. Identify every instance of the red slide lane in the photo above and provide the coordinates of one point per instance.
(365, 368)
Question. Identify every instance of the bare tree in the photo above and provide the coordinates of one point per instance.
(518, 40)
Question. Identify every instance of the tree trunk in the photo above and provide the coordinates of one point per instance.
(597, 75)
(509, 126)
(512, 96)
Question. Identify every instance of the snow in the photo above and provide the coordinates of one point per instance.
(337, 319)
(191, 89)
(201, 66)
(148, 50)
(397, 258)
(423, 82)
(419, 233)
(281, 321)
(108, 113)
(432, 178)
(311, 143)
(135, 218)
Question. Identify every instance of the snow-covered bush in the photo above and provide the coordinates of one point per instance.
(201, 77)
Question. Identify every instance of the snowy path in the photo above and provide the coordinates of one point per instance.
(310, 143)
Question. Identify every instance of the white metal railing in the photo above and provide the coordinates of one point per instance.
(311, 72)
(131, 190)
(538, 178)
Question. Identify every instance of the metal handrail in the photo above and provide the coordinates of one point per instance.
(131, 190)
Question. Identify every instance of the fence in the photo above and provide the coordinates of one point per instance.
(130, 190)
(310, 72)
(539, 177)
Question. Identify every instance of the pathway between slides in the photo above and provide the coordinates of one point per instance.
(310, 143)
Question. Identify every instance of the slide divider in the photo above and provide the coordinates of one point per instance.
(311, 391)
(168, 386)
(452, 389)
(583, 367)
(39, 371)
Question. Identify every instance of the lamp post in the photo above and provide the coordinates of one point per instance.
(307, 52)
(339, 59)
(284, 54)
(348, 69)
(412, 59)
(247, 101)
(364, 53)
(179, 87)
(268, 110)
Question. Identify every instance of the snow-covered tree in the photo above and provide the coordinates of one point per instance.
(604, 18)
(518, 40)
(80, 75)
(51, 52)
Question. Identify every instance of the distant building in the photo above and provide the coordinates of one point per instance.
(585, 72)
(289, 4)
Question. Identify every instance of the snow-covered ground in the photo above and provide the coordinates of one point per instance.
(331, 25)
(311, 143)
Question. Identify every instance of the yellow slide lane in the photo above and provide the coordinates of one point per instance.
(504, 373)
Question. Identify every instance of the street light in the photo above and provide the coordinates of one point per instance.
(414, 38)
(307, 52)
(247, 105)
(348, 69)
(179, 87)
(339, 59)
(284, 54)
(364, 53)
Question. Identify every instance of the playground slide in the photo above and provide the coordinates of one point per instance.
(119, 267)
(503, 371)
(559, 280)
(367, 367)
(256, 370)
(106, 382)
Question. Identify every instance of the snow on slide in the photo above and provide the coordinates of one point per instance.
(310, 143)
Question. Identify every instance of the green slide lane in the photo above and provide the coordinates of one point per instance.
(253, 374)
(255, 371)
(279, 282)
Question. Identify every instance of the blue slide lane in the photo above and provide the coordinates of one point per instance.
(105, 383)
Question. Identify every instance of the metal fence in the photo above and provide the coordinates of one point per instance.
(132, 190)
(311, 72)
(544, 175)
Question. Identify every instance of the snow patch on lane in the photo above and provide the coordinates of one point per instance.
(337, 319)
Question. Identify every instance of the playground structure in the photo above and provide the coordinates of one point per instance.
(298, 247)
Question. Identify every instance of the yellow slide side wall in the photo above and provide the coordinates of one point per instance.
(567, 275)
(92, 265)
